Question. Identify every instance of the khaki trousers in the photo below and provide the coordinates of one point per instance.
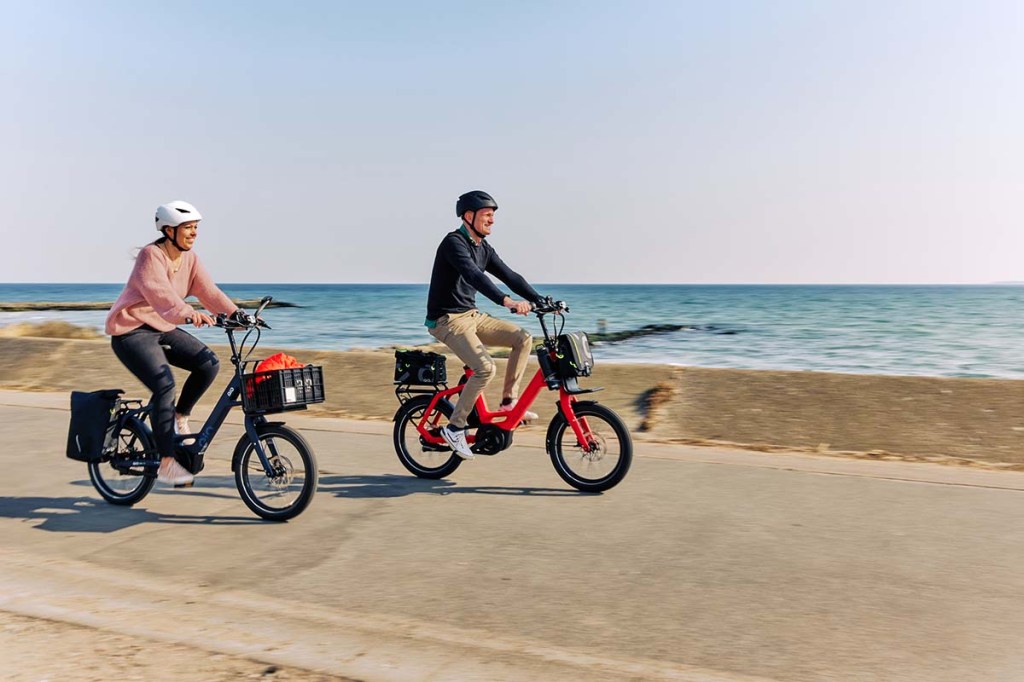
(468, 334)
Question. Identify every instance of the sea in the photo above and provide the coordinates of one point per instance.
(939, 330)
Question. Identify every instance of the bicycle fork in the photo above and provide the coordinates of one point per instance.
(579, 425)
(257, 445)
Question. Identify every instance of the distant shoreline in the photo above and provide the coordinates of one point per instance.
(26, 306)
(570, 284)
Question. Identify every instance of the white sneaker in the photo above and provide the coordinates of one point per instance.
(457, 441)
(172, 473)
(527, 416)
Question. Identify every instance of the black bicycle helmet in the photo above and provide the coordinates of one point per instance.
(474, 201)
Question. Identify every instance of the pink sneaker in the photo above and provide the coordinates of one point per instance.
(527, 416)
(172, 473)
(182, 429)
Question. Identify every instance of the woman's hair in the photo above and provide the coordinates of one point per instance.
(159, 240)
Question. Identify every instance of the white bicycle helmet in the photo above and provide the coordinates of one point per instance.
(175, 213)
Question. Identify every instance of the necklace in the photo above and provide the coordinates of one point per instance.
(175, 264)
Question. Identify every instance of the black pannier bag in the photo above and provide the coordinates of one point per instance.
(420, 368)
(93, 419)
(574, 356)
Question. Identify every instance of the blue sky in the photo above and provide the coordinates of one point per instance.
(760, 142)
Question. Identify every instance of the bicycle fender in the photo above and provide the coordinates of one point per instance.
(580, 403)
(150, 444)
(440, 402)
(132, 419)
(243, 441)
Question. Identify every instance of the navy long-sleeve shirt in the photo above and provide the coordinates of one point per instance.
(460, 270)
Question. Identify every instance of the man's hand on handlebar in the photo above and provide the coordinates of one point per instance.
(546, 305)
(517, 307)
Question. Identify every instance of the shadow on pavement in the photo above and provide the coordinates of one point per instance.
(87, 515)
(204, 487)
(390, 485)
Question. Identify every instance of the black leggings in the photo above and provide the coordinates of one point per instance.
(148, 354)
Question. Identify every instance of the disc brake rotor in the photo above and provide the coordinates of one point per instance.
(283, 472)
(598, 446)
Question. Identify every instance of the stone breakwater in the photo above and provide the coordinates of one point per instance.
(979, 420)
(29, 306)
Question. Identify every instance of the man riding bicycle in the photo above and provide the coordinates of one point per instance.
(460, 264)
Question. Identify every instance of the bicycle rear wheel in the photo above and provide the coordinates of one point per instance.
(289, 489)
(605, 460)
(426, 460)
(115, 479)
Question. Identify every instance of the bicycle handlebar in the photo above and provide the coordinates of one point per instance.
(241, 319)
(548, 306)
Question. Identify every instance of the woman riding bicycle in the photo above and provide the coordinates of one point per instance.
(144, 333)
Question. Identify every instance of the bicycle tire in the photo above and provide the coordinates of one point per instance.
(249, 470)
(133, 440)
(406, 418)
(568, 457)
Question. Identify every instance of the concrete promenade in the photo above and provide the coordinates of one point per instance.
(705, 565)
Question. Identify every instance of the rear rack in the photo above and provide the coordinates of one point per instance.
(405, 392)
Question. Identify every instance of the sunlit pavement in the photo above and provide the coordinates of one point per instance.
(703, 564)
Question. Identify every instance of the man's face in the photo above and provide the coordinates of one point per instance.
(482, 220)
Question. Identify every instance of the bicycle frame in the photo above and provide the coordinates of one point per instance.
(508, 420)
(229, 399)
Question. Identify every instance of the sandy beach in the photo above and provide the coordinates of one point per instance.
(967, 421)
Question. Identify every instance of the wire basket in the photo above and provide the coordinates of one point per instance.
(282, 389)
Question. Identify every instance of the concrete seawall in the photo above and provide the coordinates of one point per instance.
(974, 419)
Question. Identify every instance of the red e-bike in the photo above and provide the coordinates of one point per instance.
(589, 445)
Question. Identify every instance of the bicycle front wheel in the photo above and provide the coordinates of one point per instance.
(114, 477)
(603, 460)
(287, 490)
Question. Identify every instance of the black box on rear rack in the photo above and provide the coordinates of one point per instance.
(280, 390)
(420, 368)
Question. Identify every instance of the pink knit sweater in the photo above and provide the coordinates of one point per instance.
(155, 294)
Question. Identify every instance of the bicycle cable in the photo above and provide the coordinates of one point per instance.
(241, 347)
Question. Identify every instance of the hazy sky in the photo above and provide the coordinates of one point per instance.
(706, 142)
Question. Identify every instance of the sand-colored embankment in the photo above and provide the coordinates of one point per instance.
(975, 419)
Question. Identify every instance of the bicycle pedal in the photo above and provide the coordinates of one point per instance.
(185, 485)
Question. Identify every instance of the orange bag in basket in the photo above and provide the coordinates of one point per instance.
(278, 361)
(275, 361)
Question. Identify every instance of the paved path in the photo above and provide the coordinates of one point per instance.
(704, 565)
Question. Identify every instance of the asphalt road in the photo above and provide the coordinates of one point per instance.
(704, 564)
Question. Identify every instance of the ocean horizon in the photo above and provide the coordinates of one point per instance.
(958, 330)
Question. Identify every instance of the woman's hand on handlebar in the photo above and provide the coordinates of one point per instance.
(517, 307)
(199, 319)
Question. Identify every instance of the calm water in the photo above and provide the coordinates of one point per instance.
(964, 331)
